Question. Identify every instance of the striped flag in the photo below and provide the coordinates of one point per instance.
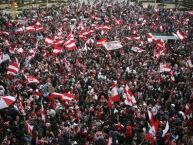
(48, 40)
(151, 118)
(166, 129)
(32, 79)
(137, 49)
(70, 44)
(129, 97)
(180, 35)
(101, 41)
(165, 68)
(114, 94)
(13, 67)
(29, 127)
(62, 97)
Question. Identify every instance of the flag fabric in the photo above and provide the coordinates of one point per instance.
(113, 45)
(48, 40)
(19, 30)
(101, 41)
(57, 50)
(30, 29)
(6, 101)
(57, 43)
(166, 129)
(62, 97)
(165, 68)
(137, 49)
(87, 33)
(70, 44)
(31, 79)
(180, 35)
(129, 97)
(29, 128)
(151, 118)
(154, 129)
(13, 67)
(114, 94)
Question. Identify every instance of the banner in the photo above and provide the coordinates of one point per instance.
(113, 45)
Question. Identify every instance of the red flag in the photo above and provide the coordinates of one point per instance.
(32, 79)
(13, 67)
(114, 94)
(129, 97)
(137, 49)
(62, 97)
(48, 40)
(29, 128)
(151, 118)
(100, 42)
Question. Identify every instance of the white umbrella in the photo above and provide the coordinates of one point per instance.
(6, 101)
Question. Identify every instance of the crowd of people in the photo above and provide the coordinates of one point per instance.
(38, 40)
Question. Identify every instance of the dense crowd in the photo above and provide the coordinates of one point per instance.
(88, 72)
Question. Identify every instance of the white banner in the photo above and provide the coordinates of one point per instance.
(113, 45)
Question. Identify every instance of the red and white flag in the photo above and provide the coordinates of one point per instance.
(129, 97)
(19, 30)
(114, 93)
(165, 68)
(30, 29)
(29, 127)
(57, 50)
(149, 37)
(151, 118)
(62, 97)
(32, 79)
(152, 132)
(40, 29)
(48, 40)
(154, 129)
(57, 42)
(180, 35)
(137, 49)
(13, 67)
(101, 41)
(88, 33)
(166, 129)
(70, 44)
